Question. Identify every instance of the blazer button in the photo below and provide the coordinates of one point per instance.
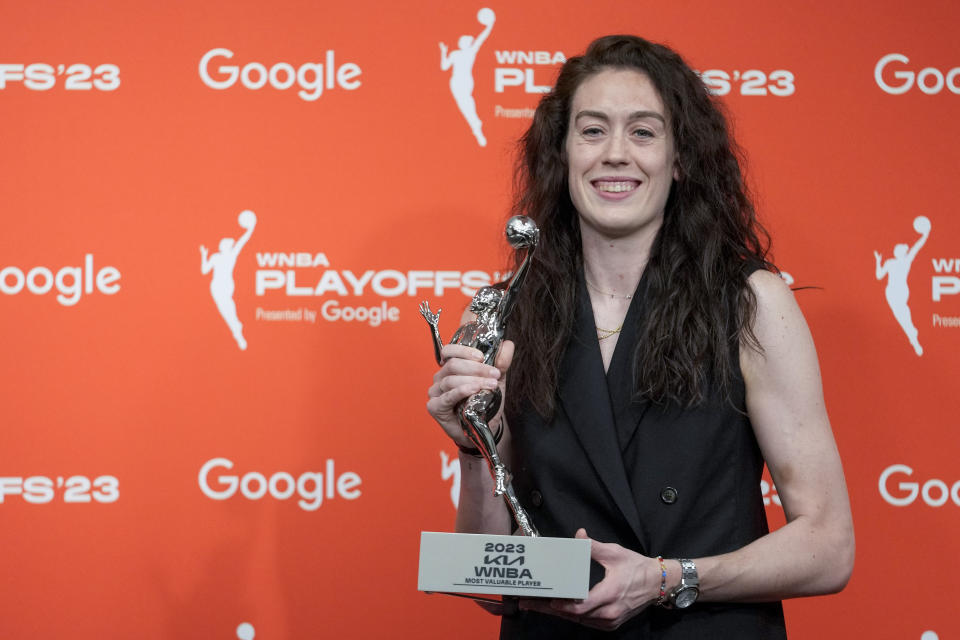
(668, 495)
(536, 498)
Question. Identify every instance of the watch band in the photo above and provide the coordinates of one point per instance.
(688, 572)
(685, 593)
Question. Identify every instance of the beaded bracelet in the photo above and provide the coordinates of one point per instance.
(663, 582)
(473, 451)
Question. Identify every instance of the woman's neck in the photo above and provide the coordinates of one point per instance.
(614, 265)
(612, 268)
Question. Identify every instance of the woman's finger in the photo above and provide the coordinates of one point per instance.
(461, 367)
(464, 352)
(452, 382)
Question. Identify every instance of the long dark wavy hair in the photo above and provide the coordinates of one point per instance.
(699, 304)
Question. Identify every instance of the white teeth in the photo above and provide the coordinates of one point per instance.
(616, 187)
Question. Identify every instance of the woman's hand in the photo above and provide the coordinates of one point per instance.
(463, 374)
(631, 584)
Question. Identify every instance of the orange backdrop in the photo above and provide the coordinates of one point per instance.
(158, 481)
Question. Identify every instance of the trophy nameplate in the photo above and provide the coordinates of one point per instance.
(524, 566)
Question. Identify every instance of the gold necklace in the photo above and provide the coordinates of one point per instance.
(603, 334)
(606, 293)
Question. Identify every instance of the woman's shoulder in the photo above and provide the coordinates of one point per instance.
(770, 289)
(778, 324)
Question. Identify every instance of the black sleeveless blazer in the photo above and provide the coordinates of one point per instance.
(657, 479)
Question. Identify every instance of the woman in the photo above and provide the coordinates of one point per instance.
(659, 363)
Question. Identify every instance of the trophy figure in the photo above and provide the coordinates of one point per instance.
(492, 307)
(479, 565)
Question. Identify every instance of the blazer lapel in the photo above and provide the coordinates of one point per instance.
(629, 411)
(586, 401)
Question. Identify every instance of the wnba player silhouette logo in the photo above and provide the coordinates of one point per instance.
(461, 78)
(896, 270)
(221, 284)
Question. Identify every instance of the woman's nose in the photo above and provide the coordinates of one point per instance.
(615, 151)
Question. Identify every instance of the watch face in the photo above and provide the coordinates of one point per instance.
(687, 597)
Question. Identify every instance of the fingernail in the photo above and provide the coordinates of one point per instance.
(490, 384)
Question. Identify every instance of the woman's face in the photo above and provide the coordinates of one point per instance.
(620, 154)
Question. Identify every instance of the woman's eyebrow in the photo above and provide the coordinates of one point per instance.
(589, 113)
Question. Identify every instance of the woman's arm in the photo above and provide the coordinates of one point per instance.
(814, 552)
(479, 511)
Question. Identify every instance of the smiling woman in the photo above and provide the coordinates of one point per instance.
(660, 362)
(621, 158)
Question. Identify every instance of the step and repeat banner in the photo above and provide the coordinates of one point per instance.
(219, 218)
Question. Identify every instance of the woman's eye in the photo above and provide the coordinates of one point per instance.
(643, 133)
(592, 131)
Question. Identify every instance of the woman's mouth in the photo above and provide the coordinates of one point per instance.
(615, 186)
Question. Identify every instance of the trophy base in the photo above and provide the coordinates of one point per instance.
(482, 564)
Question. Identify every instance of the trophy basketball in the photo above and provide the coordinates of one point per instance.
(461, 563)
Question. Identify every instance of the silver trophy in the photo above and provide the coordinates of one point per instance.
(492, 307)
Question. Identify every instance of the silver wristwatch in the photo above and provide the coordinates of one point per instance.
(685, 593)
